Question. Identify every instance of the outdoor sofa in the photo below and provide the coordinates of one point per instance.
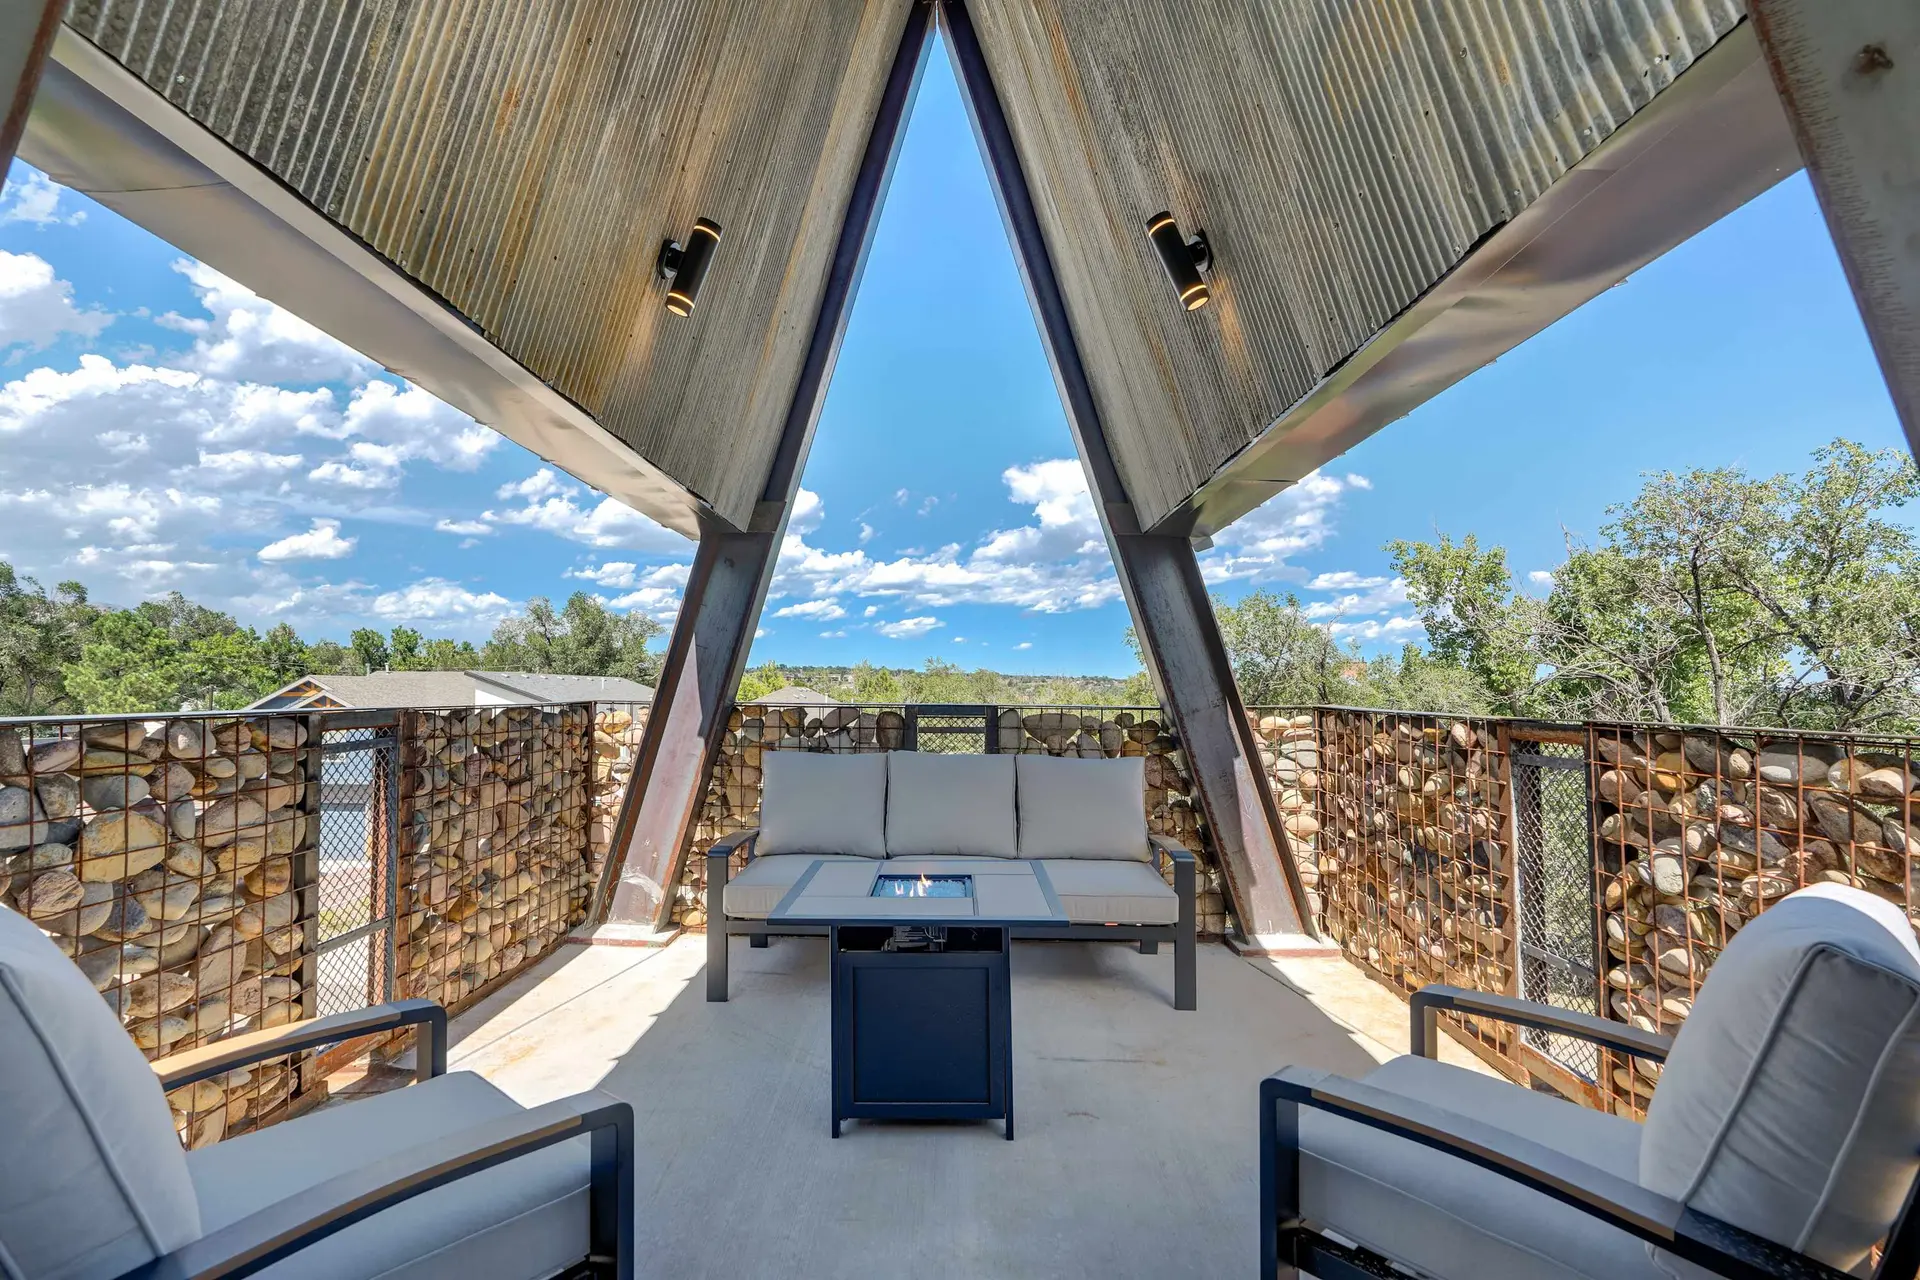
(1083, 821)
(1783, 1139)
(445, 1178)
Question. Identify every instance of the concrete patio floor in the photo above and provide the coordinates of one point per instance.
(1135, 1153)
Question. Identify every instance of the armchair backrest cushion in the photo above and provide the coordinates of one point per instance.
(1790, 1106)
(950, 805)
(811, 802)
(93, 1182)
(1073, 808)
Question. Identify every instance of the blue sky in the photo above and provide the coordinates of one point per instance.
(161, 428)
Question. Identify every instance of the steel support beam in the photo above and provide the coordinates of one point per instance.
(733, 569)
(27, 29)
(1848, 75)
(1159, 574)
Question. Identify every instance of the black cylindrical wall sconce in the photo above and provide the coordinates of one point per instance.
(686, 266)
(1183, 259)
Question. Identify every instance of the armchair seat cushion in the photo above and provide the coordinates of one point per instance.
(1117, 891)
(520, 1220)
(1453, 1220)
(756, 891)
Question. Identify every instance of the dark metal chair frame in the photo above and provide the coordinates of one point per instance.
(1289, 1244)
(282, 1229)
(1167, 853)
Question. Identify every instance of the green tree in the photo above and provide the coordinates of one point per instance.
(285, 656)
(39, 635)
(585, 638)
(442, 654)
(370, 652)
(330, 657)
(760, 681)
(167, 654)
(873, 684)
(404, 650)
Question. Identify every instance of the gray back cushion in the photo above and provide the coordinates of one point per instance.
(946, 805)
(1791, 1104)
(1073, 808)
(811, 802)
(93, 1181)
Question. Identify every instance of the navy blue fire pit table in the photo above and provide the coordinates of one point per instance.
(919, 958)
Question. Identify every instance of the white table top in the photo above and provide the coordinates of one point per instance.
(1005, 891)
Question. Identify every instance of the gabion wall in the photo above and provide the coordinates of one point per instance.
(617, 728)
(1402, 827)
(1697, 831)
(172, 859)
(493, 843)
(733, 793)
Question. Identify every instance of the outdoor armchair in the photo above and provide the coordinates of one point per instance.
(1783, 1138)
(445, 1177)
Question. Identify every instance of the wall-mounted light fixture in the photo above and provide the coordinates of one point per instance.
(1183, 259)
(686, 266)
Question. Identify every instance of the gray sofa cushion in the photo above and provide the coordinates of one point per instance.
(1071, 808)
(811, 802)
(92, 1178)
(1455, 1221)
(947, 805)
(520, 1220)
(1118, 891)
(1787, 1107)
(757, 890)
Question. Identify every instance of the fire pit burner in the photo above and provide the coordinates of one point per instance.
(923, 887)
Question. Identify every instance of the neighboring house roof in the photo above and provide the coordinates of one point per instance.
(796, 695)
(448, 689)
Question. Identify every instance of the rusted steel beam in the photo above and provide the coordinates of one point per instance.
(1159, 575)
(733, 568)
(26, 37)
(1848, 75)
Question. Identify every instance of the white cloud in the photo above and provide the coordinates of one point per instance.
(553, 505)
(833, 635)
(1541, 577)
(541, 484)
(1261, 546)
(124, 441)
(808, 512)
(34, 198)
(465, 528)
(321, 542)
(249, 339)
(866, 532)
(1024, 644)
(409, 423)
(353, 477)
(1342, 580)
(36, 307)
(819, 610)
(908, 628)
(1375, 629)
(657, 591)
(1378, 598)
(237, 464)
(438, 600)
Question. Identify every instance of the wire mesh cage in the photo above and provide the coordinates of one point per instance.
(172, 859)
(1555, 856)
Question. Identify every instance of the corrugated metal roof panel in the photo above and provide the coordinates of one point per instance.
(1342, 158)
(524, 160)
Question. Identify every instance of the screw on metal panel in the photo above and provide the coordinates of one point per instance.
(1872, 60)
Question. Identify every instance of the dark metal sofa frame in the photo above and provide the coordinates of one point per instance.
(1167, 853)
(1289, 1244)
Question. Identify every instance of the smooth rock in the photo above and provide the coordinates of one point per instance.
(103, 792)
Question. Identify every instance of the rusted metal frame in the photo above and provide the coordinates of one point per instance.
(306, 870)
(1158, 574)
(26, 37)
(733, 568)
(1848, 76)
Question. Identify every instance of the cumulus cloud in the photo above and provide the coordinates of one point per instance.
(1380, 596)
(556, 506)
(33, 198)
(1377, 629)
(321, 542)
(37, 307)
(1541, 577)
(241, 464)
(249, 339)
(464, 528)
(819, 610)
(438, 600)
(1024, 644)
(908, 628)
